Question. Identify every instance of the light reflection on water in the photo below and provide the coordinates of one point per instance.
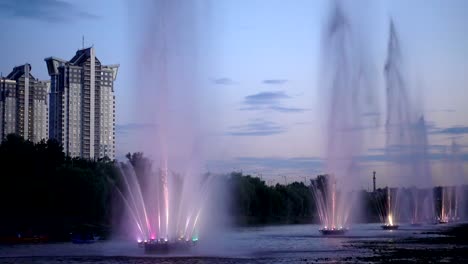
(287, 241)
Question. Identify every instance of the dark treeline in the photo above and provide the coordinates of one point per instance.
(254, 202)
(44, 192)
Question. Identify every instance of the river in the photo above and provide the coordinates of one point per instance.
(267, 244)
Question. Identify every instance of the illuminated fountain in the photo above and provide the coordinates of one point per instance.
(421, 206)
(387, 205)
(406, 135)
(164, 207)
(328, 203)
(164, 204)
(450, 199)
(348, 97)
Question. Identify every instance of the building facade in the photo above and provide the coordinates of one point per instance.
(24, 105)
(82, 105)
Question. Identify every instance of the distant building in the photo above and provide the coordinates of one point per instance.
(82, 105)
(23, 105)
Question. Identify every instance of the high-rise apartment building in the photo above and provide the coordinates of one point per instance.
(82, 105)
(23, 105)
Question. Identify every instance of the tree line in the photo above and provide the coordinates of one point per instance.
(44, 191)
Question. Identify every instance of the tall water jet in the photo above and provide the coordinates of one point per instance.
(451, 204)
(388, 208)
(326, 196)
(406, 132)
(167, 201)
(387, 202)
(348, 97)
(448, 205)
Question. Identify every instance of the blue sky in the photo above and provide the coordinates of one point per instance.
(261, 93)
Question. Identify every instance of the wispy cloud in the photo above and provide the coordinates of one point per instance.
(265, 98)
(448, 110)
(275, 81)
(270, 166)
(126, 128)
(413, 153)
(456, 130)
(410, 148)
(287, 109)
(43, 10)
(281, 162)
(271, 100)
(411, 158)
(224, 81)
(257, 127)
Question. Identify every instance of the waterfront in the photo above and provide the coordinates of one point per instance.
(269, 244)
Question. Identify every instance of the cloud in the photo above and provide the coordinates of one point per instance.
(269, 101)
(265, 98)
(130, 127)
(442, 110)
(271, 166)
(287, 109)
(412, 154)
(281, 162)
(395, 149)
(257, 127)
(224, 81)
(410, 158)
(43, 10)
(457, 130)
(275, 81)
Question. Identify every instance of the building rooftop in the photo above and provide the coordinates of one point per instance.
(18, 71)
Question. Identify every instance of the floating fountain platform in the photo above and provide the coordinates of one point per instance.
(165, 247)
(390, 227)
(333, 231)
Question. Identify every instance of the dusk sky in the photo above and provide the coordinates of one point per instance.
(262, 90)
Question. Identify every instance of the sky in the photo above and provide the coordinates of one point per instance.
(261, 79)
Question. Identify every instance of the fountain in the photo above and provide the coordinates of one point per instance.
(164, 203)
(452, 197)
(390, 214)
(348, 97)
(327, 202)
(164, 219)
(420, 205)
(406, 142)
